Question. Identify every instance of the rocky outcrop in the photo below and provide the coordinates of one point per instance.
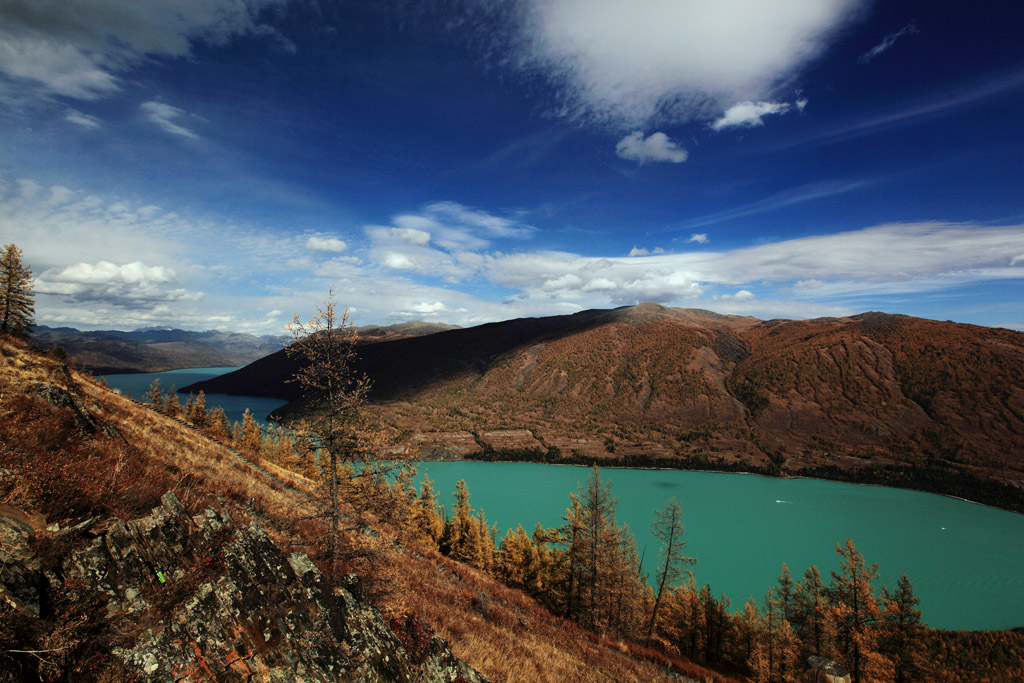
(203, 598)
(825, 671)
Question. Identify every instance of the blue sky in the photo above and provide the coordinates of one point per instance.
(223, 163)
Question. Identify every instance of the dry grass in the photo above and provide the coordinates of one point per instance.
(67, 475)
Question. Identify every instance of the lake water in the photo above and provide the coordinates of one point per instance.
(136, 385)
(966, 561)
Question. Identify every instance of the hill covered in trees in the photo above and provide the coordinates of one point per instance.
(874, 397)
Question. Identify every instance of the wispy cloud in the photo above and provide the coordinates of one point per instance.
(164, 115)
(81, 119)
(790, 197)
(80, 49)
(655, 147)
(750, 114)
(966, 95)
(629, 63)
(888, 42)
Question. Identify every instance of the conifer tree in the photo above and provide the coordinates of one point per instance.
(901, 634)
(17, 305)
(428, 521)
(856, 610)
(336, 423)
(217, 424)
(812, 616)
(196, 409)
(252, 435)
(748, 627)
(668, 529)
(154, 395)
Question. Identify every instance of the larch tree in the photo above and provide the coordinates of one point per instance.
(812, 617)
(668, 528)
(856, 610)
(336, 425)
(17, 305)
(901, 632)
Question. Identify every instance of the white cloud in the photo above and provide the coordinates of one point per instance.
(83, 120)
(887, 42)
(628, 62)
(656, 147)
(163, 115)
(637, 251)
(699, 238)
(749, 114)
(79, 49)
(809, 284)
(428, 308)
(330, 244)
(741, 295)
(129, 285)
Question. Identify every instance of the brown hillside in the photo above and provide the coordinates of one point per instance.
(873, 389)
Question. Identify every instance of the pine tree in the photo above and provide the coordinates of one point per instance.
(17, 305)
(669, 530)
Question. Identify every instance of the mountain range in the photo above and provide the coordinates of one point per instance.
(157, 349)
(691, 387)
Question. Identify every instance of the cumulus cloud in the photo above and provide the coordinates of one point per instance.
(163, 115)
(130, 285)
(887, 42)
(655, 147)
(79, 49)
(750, 114)
(637, 251)
(330, 244)
(627, 63)
(699, 238)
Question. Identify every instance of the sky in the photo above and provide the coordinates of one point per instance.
(223, 164)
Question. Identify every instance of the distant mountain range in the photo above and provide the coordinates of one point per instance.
(157, 349)
(872, 390)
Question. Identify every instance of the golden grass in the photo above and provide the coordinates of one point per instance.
(497, 630)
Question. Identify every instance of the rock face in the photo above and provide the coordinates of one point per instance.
(825, 671)
(199, 599)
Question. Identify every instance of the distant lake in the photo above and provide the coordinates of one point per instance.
(136, 385)
(966, 561)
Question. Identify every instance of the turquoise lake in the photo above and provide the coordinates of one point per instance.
(136, 385)
(966, 561)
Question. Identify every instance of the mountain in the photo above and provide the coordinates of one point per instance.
(872, 390)
(156, 349)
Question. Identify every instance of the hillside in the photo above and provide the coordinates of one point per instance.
(137, 548)
(867, 396)
(157, 349)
